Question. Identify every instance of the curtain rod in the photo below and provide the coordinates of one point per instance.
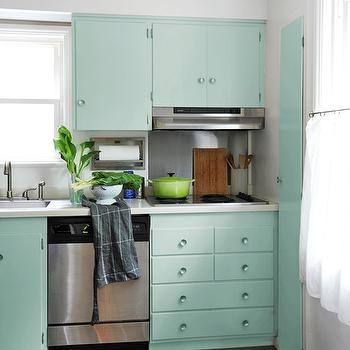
(312, 114)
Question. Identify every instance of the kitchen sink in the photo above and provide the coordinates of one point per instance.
(22, 203)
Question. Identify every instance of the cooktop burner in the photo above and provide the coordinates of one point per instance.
(207, 199)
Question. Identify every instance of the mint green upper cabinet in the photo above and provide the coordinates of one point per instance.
(23, 284)
(179, 65)
(208, 64)
(235, 64)
(112, 60)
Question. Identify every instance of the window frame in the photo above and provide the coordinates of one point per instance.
(62, 104)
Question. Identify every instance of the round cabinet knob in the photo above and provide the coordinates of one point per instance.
(182, 243)
(245, 267)
(245, 296)
(182, 299)
(201, 80)
(183, 327)
(244, 240)
(81, 102)
(212, 80)
(182, 271)
(1, 257)
(245, 323)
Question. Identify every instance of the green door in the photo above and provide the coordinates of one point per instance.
(179, 65)
(22, 296)
(112, 74)
(290, 179)
(235, 66)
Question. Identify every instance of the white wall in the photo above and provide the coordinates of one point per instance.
(255, 9)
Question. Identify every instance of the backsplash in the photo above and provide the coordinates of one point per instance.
(171, 151)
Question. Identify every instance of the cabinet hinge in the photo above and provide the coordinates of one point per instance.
(147, 33)
(151, 95)
(42, 338)
(152, 33)
(42, 243)
(260, 37)
(303, 41)
(259, 96)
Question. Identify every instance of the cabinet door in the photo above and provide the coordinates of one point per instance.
(22, 299)
(113, 79)
(290, 172)
(235, 66)
(179, 65)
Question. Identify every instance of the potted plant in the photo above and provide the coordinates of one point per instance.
(76, 161)
(106, 185)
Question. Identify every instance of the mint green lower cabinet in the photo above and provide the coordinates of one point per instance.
(170, 269)
(213, 280)
(181, 297)
(244, 239)
(23, 284)
(195, 324)
(243, 266)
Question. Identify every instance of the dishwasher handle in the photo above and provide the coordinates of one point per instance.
(70, 230)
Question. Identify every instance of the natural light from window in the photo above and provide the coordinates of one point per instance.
(33, 70)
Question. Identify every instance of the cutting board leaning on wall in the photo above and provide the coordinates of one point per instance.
(210, 171)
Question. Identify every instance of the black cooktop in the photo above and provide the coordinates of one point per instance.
(207, 199)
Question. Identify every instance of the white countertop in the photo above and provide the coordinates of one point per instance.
(138, 206)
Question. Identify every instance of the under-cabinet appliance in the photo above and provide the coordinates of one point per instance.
(209, 199)
(207, 118)
(123, 307)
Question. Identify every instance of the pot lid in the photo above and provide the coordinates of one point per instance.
(172, 179)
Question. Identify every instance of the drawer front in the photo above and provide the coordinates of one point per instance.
(244, 239)
(214, 295)
(243, 266)
(191, 268)
(195, 324)
(182, 241)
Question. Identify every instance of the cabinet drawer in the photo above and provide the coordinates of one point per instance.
(244, 239)
(212, 295)
(182, 241)
(194, 324)
(169, 269)
(243, 266)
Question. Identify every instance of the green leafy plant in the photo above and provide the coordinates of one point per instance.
(109, 178)
(68, 151)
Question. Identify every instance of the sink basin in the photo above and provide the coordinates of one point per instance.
(22, 204)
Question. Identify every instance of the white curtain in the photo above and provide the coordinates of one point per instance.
(325, 217)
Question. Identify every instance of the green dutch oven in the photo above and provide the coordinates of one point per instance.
(171, 186)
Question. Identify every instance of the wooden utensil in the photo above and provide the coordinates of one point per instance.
(210, 171)
(241, 161)
(248, 160)
(245, 160)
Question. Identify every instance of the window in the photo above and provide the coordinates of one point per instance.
(33, 91)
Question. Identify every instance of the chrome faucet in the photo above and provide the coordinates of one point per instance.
(8, 173)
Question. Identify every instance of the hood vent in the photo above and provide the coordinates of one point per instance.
(211, 118)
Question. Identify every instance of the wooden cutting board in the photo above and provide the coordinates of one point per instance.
(210, 171)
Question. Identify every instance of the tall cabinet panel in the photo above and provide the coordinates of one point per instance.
(179, 65)
(112, 74)
(291, 106)
(23, 284)
(235, 65)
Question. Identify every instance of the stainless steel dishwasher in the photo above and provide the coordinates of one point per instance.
(123, 307)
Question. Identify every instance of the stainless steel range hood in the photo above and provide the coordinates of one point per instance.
(207, 118)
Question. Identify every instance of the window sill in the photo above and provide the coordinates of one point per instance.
(45, 164)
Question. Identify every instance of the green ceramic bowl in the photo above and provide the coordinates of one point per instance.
(171, 187)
